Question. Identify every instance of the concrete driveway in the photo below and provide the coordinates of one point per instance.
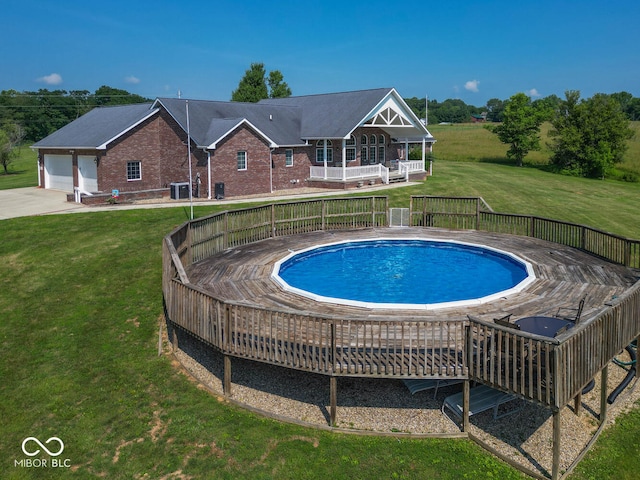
(23, 202)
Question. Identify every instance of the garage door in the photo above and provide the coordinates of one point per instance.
(58, 172)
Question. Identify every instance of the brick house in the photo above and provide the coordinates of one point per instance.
(338, 140)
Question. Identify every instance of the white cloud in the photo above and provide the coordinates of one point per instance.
(132, 79)
(472, 85)
(53, 79)
(534, 92)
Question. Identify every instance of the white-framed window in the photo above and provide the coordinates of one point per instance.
(363, 155)
(242, 160)
(381, 154)
(372, 154)
(381, 139)
(363, 139)
(320, 151)
(288, 157)
(372, 139)
(134, 171)
(350, 149)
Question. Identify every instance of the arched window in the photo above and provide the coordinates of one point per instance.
(363, 140)
(320, 151)
(350, 150)
(381, 149)
(372, 140)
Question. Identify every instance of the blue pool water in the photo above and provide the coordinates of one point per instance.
(402, 272)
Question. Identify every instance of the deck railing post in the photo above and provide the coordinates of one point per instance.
(322, 214)
(273, 220)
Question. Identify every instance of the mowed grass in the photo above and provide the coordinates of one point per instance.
(22, 171)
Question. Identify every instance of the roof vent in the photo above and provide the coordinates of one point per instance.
(270, 117)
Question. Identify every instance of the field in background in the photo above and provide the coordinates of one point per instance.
(473, 142)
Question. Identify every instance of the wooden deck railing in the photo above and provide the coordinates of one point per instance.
(546, 371)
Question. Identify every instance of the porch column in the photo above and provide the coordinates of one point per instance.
(344, 160)
(324, 153)
(406, 149)
(424, 143)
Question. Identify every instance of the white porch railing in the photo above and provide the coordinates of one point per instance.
(406, 167)
(350, 173)
(366, 171)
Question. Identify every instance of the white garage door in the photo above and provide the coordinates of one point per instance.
(58, 172)
(87, 174)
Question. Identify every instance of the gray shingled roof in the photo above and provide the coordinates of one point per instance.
(209, 121)
(332, 115)
(96, 127)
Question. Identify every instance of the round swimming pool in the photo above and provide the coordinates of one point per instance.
(405, 274)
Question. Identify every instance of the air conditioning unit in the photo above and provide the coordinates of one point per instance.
(179, 190)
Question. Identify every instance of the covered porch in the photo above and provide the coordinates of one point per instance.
(375, 149)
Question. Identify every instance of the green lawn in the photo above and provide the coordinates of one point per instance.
(22, 171)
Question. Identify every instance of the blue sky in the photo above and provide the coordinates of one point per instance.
(470, 50)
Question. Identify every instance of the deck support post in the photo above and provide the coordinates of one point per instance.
(465, 405)
(577, 402)
(603, 393)
(226, 382)
(333, 400)
(555, 467)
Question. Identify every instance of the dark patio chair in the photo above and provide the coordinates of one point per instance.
(563, 312)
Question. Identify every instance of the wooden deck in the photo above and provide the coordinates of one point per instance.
(563, 276)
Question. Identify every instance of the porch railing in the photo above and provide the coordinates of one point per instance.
(350, 173)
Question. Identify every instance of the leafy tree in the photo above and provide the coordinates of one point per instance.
(495, 107)
(11, 135)
(253, 86)
(452, 110)
(589, 136)
(277, 87)
(520, 127)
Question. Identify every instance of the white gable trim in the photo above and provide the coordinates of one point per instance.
(131, 127)
(272, 144)
(390, 100)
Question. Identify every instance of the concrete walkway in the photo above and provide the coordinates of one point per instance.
(23, 202)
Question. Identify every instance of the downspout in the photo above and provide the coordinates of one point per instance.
(208, 175)
(271, 169)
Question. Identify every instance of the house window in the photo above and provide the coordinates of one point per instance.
(363, 140)
(242, 160)
(363, 155)
(372, 154)
(372, 140)
(320, 151)
(350, 150)
(134, 171)
(288, 157)
(381, 139)
(381, 154)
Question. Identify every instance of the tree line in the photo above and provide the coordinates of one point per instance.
(457, 111)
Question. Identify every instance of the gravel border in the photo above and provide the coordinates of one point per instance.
(385, 406)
